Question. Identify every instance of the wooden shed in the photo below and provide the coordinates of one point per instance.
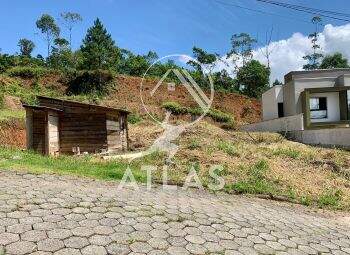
(58, 126)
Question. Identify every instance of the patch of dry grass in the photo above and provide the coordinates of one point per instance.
(298, 172)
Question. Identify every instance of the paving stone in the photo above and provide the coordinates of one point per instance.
(62, 215)
(20, 248)
(8, 238)
(76, 242)
(50, 245)
(94, 250)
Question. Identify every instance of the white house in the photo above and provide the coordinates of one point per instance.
(312, 106)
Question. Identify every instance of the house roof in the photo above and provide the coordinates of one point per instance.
(316, 73)
(42, 108)
(83, 104)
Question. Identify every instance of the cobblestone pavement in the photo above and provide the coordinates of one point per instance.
(66, 216)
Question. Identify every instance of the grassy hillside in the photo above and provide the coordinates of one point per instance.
(261, 164)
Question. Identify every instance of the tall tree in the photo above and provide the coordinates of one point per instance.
(242, 49)
(204, 59)
(47, 25)
(26, 47)
(98, 49)
(70, 19)
(314, 58)
(334, 61)
(253, 78)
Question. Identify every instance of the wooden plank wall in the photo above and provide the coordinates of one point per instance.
(84, 130)
(39, 131)
(29, 128)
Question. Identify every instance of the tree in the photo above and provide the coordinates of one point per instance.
(61, 56)
(242, 49)
(26, 47)
(314, 58)
(253, 78)
(48, 27)
(334, 61)
(70, 19)
(277, 82)
(204, 59)
(98, 49)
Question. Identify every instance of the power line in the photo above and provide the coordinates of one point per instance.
(323, 13)
(262, 12)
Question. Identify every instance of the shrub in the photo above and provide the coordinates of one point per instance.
(27, 72)
(330, 198)
(174, 108)
(219, 116)
(134, 118)
(88, 82)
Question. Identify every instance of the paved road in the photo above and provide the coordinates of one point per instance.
(64, 215)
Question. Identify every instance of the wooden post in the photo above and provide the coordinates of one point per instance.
(29, 129)
(52, 135)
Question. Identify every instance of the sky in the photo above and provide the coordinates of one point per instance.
(175, 26)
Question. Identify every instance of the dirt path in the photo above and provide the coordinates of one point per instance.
(65, 215)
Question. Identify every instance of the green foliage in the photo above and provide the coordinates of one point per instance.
(134, 118)
(70, 19)
(253, 78)
(135, 65)
(26, 47)
(277, 82)
(203, 58)
(228, 147)
(27, 95)
(47, 26)
(27, 72)
(83, 166)
(330, 199)
(294, 154)
(242, 47)
(174, 108)
(194, 144)
(334, 61)
(90, 82)
(219, 116)
(313, 58)
(98, 49)
(256, 182)
(2, 98)
(306, 200)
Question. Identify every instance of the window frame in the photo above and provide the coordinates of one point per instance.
(319, 107)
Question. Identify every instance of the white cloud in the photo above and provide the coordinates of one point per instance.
(287, 55)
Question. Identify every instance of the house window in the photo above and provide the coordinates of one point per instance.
(318, 107)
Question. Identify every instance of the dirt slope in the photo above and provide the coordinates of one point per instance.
(127, 94)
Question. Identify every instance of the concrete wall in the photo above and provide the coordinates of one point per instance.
(289, 99)
(339, 137)
(291, 123)
(270, 100)
(333, 109)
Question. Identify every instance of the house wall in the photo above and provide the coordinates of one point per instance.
(289, 99)
(270, 100)
(333, 109)
(290, 123)
(339, 137)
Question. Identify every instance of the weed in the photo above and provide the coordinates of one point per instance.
(329, 198)
(294, 154)
(194, 144)
(228, 148)
(134, 118)
(306, 200)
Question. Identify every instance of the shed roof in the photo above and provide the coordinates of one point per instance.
(84, 104)
(42, 108)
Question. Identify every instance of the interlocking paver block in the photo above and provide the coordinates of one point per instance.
(62, 215)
